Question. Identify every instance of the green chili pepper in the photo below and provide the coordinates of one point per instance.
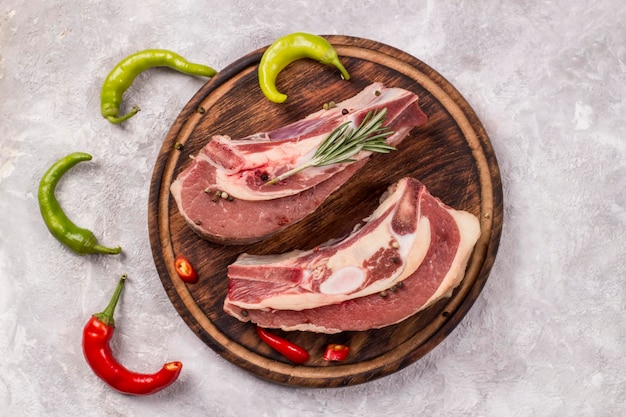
(80, 240)
(125, 72)
(291, 48)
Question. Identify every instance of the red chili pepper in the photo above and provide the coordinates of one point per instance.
(286, 348)
(96, 336)
(185, 270)
(335, 352)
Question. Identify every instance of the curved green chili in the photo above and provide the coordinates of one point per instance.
(290, 48)
(125, 72)
(81, 241)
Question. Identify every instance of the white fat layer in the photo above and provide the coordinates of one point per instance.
(363, 249)
(308, 327)
(278, 259)
(469, 229)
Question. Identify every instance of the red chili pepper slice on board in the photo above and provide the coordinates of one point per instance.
(336, 352)
(185, 270)
(286, 348)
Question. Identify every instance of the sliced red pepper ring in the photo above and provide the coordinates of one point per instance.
(336, 352)
(185, 270)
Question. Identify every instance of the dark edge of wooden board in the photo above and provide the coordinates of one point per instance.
(350, 374)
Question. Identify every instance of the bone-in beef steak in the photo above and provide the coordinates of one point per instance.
(240, 168)
(242, 164)
(426, 277)
(374, 257)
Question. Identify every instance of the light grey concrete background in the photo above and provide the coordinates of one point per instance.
(548, 80)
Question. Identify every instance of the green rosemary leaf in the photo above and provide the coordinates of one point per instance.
(332, 140)
(337, 161)
(379, 148)
(344, 142)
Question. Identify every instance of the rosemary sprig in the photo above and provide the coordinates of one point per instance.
(344, 142)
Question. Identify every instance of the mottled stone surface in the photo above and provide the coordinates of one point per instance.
(547, 78)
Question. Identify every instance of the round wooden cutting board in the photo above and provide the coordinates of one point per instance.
(451, 155)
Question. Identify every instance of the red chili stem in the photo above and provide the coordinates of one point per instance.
(286, 348)
(106, 316)
(96, 337)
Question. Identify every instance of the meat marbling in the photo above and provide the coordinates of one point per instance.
(427, 275)
(369, 260)
(242, 164)
(240, 167)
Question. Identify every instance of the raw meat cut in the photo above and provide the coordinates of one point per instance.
(241, 221)
(249, 162)
(425, 278)
(371, 259)
(244, 165)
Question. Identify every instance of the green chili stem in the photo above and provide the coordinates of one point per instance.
(337, 63)
(118, 120)
(106, 250)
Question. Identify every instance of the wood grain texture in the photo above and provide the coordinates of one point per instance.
(451, 155)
